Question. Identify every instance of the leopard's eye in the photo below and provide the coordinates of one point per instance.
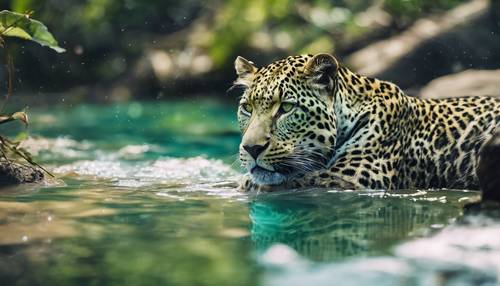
(247, 108)
(286, 107)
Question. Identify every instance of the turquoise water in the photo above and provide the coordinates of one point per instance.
(145, 195)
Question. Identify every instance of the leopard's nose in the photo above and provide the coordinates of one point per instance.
(255, 150)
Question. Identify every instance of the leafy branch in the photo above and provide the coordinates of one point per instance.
(21, 26)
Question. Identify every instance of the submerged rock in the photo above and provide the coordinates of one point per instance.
(14, 173)
(489, 170)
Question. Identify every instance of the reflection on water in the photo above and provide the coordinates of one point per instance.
(149, 199)
(124, 236)
(327, 226)
(467, 253)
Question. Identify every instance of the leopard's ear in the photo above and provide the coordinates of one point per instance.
(245, 70)
(321, 71)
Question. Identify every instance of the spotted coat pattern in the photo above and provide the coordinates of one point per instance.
(308, 121)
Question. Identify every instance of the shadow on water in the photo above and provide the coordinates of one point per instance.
(329, 226)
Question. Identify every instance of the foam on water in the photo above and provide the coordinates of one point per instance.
(130, 166)
(61, 148)
(127, 164)
(166, 171)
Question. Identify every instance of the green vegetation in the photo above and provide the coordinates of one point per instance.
(20, 26)
(410, 10)
(164, 45)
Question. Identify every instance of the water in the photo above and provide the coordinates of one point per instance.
(146, 195)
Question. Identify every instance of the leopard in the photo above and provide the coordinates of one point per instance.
(308, 121)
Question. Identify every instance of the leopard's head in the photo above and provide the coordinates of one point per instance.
(286, 116)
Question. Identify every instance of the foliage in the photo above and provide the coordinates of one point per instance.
(110, 39)
(104, 37)
(237, 20)
(20, 26)
(409, 10)
(307, 26)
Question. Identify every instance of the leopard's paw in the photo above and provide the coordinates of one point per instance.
(247, 185)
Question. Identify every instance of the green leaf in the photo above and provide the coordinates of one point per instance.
(22, 26)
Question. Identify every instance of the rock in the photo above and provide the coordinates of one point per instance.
(462, 38)
(489, 170)
(378, 57)
(469, 82)
(14, 173)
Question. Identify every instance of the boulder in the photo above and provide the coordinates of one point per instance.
(14, 173)
(465, 37)
(469, 82)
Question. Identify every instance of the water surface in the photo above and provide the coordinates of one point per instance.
(146, 195)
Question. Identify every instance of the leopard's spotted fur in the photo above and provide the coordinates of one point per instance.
(308, 121)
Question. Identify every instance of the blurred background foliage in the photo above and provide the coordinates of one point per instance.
(122, 49)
